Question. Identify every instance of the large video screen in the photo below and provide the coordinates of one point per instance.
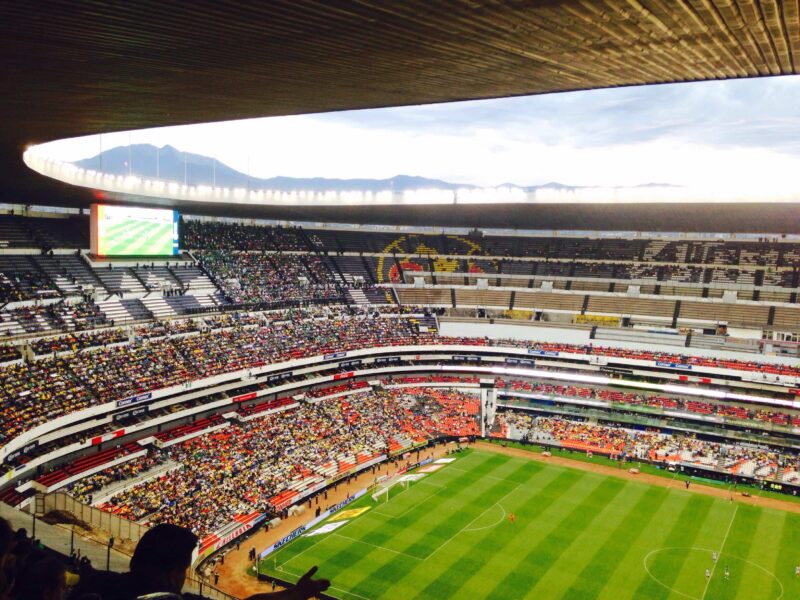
(133, 231)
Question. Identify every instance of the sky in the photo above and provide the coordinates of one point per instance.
(736, 132)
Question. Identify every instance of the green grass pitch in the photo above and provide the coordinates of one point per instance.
(139, 238)
(577, 535)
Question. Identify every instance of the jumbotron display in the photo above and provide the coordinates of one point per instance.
(133, 231)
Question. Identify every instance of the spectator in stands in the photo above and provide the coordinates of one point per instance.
(160, 563)
(45, 579)
(7, 575)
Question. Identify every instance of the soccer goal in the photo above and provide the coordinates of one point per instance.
(381, 493)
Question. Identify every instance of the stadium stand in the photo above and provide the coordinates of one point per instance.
(115, 334)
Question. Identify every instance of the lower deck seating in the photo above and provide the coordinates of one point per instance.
(86, 463)
(182, 430)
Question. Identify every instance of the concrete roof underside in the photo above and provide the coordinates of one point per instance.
(77, 68)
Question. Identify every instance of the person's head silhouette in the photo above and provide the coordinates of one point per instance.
(163, 555)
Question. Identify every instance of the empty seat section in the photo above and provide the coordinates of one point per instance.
(630, 306)
(491, 298)
(735, 314)
(787, 319)
(544, 300)
(424, 296)
(119, 280)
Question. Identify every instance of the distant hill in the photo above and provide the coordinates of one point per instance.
(146, 160)
(169, 163)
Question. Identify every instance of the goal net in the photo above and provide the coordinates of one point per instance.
(381, 493)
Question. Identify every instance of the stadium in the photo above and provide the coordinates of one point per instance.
(212, 384)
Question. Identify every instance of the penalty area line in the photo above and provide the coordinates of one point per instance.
(468, 525)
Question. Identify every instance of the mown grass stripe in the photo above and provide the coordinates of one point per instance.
(351, 559)
(684, 533)
(582, 547)
(382, 579)
(136, 242)
(575, 537)
(629, 570)
(114, 236)
(744, 577)
(541, 556)
(417, 530)
(606, 558)
(534, 508)
(788, 556)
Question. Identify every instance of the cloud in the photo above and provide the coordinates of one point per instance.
(727, 131)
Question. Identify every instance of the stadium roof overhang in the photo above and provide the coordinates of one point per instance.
(77, 68)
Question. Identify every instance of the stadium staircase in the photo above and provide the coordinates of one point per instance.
(399, 269)
(304, 235)
(121, 280)
(196, 281)
(336, 271)
(51, 266)
(156, 279)
(357, 296)
(158, 306)
(121, 311)
(10, 327)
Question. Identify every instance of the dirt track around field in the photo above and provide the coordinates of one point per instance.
(235, 580)
(233, 576)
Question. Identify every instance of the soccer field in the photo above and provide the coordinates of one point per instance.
(138, 238)
(577, 534)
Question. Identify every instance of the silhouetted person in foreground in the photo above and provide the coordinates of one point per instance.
(159, 566)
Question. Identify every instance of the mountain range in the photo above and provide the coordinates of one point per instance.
(169, 163)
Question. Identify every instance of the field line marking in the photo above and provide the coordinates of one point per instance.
(495, 524)
(349, 593)
(685, 548)
(456, 534)
(345, 537)
(299, 554)
(719, 554)
(410, 508)
(661, 583)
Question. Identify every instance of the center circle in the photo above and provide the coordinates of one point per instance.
(682, 571)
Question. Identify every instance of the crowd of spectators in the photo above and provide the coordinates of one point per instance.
(255, 277)
(235, 319)
(18, 286)
(73, 342)
(666, 357)
(208, 235)
(616, 440)
(60, 316)
(9, 352)
(615, 396)
(237, 236)
(243, 467)
(84, 489)
(158, 329)
(158, 570)
(581, 434)
(38, 391)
